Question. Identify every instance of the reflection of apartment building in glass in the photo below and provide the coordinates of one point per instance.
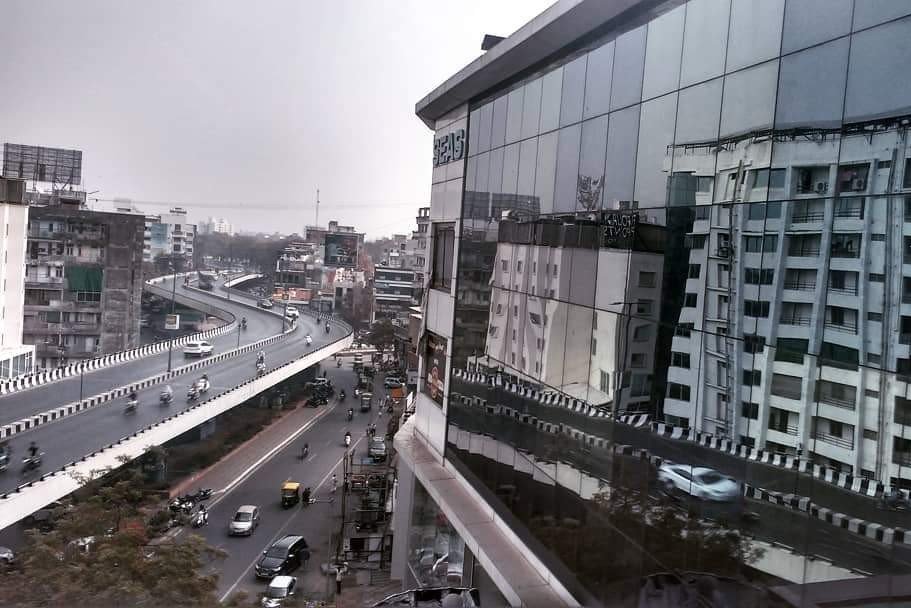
(393, 294)
(801, 256)
(549, 283)
(16, 358)
(83, 283)
(766, 143)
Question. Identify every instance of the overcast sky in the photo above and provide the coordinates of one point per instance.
(244, 102)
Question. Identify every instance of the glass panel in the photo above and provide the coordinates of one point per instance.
(749, 100)
(474, 127)
(629, 61)
(877, 55)
(872, 13)
(510, 169)
(590, 186)
(653, 160)
(531, 110)
(498, 130)
(662, 54)
(486, 122)
(705, 41)
(514, 114)
(698, 112)
(567, 168)
(620, 162)
(755, 34)
(496, 170)
(546, 171)
(809, 22)
(598, 80)
(573, 91)
(527, 160)
(552, 84)
(811, 86)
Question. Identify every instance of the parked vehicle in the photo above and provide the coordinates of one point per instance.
(316, 401)
(284, 555)
(699, 482)
(377, 449)
(201, 518)
(199, 348)
(245, 521)
(393, 382)
(280, 591)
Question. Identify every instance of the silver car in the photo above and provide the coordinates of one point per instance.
(245, 521)
(7, 557)
(699, 482)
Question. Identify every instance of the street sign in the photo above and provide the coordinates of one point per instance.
(172, 322)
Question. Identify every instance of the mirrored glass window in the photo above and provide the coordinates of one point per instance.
(590, 181)
(749, 100)
(551, 85)
(485, 122)
(699, 112)
(567, 168)
(809, 22)
(620, 161)
(515, 100)
(546, 171)
(877, 55)
(531, 111)
(573, 91)
(755, 32)
(629, 60)
(705, 40)
(662, 53)
(655, 151)
(498, 128)
(867, 14)
(598, 80)
(811, 86)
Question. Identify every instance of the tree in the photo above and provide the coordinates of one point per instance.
(118, 566)
(382, 335)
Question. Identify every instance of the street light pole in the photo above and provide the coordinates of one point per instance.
(238, 335)
(81, 378)
(173, 303)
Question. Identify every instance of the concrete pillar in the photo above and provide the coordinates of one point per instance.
(401, 521)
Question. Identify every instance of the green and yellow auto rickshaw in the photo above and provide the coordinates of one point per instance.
(291, 493)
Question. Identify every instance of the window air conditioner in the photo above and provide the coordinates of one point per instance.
(858, 184)
(821, 187)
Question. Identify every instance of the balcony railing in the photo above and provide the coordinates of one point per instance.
(840, 442)
(837, 402)
(849, 327)
(807, 216)
(904, 338)
(804, 252)
(856, 213)
(800, 285)
(787, 429)
(902, 458)
(848, 291)
(803, 320)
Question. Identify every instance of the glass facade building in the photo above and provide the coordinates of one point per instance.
(676, 318)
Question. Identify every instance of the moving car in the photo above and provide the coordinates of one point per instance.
(200, 348)
(284, 555)
(265, 303)
(292, 312)
(7, 557)
(699, 482)
(245, 521)
(280, 590)
(377, 449)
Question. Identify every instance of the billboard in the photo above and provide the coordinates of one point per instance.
(435, 367)
(341, 250)
(34, 163)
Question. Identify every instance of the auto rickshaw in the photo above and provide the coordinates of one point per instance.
(291, 493)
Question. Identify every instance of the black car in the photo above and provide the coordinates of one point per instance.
(316, 401)
(283, 556)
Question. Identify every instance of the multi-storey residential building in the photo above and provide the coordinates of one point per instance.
(393, 294)
(169, 235)
(83, 283)
(16, 358)
(706, 202)
(215, 225)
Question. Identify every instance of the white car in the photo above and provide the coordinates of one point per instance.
(292, 312)
(699, 482)
(197, 349)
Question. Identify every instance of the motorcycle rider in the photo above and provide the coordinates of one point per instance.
(243, 323)
(133, 397)
(305, 451)
(342, 395)
(167, 393)
(350, 414)
(32, 450)
(261, 357)
(309, 340)
(347, 438)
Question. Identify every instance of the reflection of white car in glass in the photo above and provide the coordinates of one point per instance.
(698, 482)
(292, 312)
(197, 349)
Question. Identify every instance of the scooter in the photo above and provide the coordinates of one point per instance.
(260, 368)
(309, 340)
(202, 385)
(201, 518)
(31, 463)
(192, 393)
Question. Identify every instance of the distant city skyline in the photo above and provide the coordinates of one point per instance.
(206, 102)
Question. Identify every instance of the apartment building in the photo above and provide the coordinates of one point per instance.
(169, 235)
(586, 378)
(83, 283)
(16, 358)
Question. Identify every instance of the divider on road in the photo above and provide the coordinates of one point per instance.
(39, 378)
(30, 497)
(57, 413)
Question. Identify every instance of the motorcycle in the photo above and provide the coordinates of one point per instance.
(130, 406)
(4, 458)
(165, 398)
(203, 494)
(347, 440)
(305, 497)
(341, 396)
(309, 340)
(31, 463)
(192, 393)
(243, 324)
(327, 328)
(895, 501)
(338, 363)
(260, 368)
(350, 415)
(202, 385)
(305, 451)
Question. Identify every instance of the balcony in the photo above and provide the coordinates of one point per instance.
(848, 326)
(841, 442)
(787, 429)
(901, 458)
(801, 320)
(805, 217)
(800, 285)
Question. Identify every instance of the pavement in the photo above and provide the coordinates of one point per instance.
(253, 474)
(75, 436)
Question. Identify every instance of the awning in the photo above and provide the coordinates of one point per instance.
(85, 278)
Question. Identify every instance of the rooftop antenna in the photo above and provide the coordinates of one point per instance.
(317, 207)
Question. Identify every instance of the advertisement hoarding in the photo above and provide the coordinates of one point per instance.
(341, 250)
(435, 368)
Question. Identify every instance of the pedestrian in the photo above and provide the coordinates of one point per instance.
(339, 572)
(334, 482)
